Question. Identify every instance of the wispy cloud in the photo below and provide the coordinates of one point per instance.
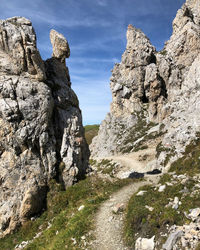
(96, 31)
(105, 43)
(102, 2)
(93, 60)
(70, 18)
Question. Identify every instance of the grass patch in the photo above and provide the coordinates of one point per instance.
(62, 212)
(90, 132)
(160, 148)
(140, 222)
(142, 147)
(92, 162)
(147, 224)
(190, 162)
(170, 152)
(104, 166)
(163, 52)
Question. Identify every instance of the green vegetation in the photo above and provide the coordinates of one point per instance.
(136, 132)
(62, 212)
(104, 166)
(91, 127)
(190, 162)
(90, 132)
(160, 148)
(142, 147)
(170, 152)
(92, 162)
(148, 223)
(163, 52)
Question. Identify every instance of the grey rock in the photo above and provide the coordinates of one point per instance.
(145, 244)
(111, 135)
(130, 73)
(162, 188)
(175, 203)
(41, 134)
(141, 193)
(171, 240)
(18, 51)
(194, 213)
(149, 208)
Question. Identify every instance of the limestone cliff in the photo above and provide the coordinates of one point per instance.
(159, 87)
(41, 135)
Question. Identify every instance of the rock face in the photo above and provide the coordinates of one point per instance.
(160, 87)
(18, 46)
(136, 79)
(183, 82)
(41, 134)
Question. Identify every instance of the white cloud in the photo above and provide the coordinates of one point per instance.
(102, 2)
(96, 30)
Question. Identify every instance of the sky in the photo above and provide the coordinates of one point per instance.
(96, 32)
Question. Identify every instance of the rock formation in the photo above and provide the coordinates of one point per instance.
(159, 87)
(60, 45)
(128, 77)
(41, 134)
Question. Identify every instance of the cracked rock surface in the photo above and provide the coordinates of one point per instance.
(41, 134)
(162, 87)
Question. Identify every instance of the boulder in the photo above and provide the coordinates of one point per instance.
(194, 213)
(145, 244)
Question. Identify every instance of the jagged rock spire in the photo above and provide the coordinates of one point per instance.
(60, 45)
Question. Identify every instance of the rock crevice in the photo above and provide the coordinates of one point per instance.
(160, 87)
(42, 136)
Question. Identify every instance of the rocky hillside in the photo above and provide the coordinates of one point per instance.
(41, 136)
(155, 94)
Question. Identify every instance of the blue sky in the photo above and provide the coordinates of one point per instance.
(96, 32)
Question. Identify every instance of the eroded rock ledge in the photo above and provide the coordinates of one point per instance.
(41, 134)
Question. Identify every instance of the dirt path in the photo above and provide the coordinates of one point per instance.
(109, 226)
(141, 161)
